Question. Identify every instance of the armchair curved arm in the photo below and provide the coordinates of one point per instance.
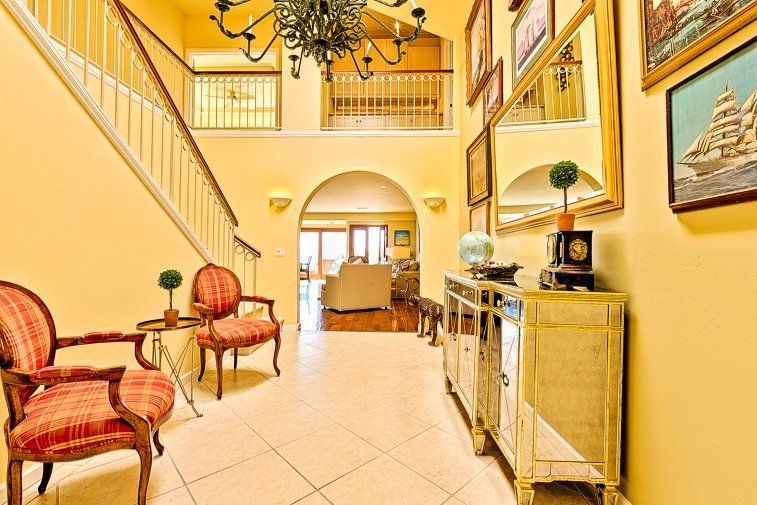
(266, 301)
(52, 375)
(103, 337)
(203, 309)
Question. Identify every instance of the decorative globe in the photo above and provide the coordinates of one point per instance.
(475, 247)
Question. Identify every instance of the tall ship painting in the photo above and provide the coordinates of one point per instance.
(729, 140)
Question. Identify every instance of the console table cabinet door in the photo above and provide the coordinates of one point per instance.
(451, 340)
(509, 381)
(469, 332)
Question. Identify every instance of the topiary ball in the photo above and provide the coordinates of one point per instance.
(170, 279)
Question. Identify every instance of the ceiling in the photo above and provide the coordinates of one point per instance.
(446, 18)
(360, 192)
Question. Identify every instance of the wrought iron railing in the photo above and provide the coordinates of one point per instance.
(217, 100)
(245, 264)
(96, 42)
(415, 100)
(556, 96)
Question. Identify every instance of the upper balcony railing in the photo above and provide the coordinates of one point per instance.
(216, 100)
(401, 100)
(556, 96)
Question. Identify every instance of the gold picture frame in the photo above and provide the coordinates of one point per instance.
(480, 217)
(478, 20)
(612, 198)
(479, 168)
(519, 70)
(493, 93)
(733, 23)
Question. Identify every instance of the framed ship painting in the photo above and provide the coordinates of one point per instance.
(532, 31)
(675, 32)
(493, 93)
(479, 168)
(712, 134)
(478, 48)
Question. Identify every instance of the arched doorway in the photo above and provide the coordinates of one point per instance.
(355, 214)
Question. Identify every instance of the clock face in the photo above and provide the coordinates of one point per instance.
(578, 250)
(551, 249)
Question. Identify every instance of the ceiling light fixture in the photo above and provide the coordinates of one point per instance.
(323, 29)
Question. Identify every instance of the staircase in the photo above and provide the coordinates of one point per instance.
(95, 49)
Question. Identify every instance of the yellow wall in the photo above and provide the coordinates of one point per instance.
(80, 230)
(163, 18)
(690, 348)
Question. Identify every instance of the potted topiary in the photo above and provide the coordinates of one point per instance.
(170, 280)
(562, 176)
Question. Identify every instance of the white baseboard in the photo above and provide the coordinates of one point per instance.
(29, 477)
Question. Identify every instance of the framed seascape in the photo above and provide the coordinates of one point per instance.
(532, 31)
(402, 238)
(675, 32)
(478, 48)
(479, 168)
(712, 134)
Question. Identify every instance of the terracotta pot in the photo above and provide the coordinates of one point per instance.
(565, 222)
(171, 317)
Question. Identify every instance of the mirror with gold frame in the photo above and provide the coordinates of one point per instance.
(564, 108)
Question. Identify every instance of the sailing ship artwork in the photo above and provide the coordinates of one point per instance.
(674, 25)
(712, 123)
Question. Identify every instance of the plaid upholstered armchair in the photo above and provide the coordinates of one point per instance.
(82, 411)
(218, 293)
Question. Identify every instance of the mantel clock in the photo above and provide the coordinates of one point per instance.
(569, 258)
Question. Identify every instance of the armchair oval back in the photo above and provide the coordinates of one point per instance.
(218, 288)
(27, 332)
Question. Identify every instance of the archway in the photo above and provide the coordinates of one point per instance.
(363, 201)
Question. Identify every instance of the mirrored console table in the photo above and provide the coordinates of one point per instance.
(540, 371)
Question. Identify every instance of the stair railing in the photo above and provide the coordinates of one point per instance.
(120, 86)
(245, 264)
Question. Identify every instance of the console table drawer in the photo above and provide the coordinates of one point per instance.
(463, 291)
(509, 305)
(579, 314)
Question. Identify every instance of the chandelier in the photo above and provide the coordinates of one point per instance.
(323, 29)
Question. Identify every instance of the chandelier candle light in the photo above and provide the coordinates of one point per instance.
(322, 29)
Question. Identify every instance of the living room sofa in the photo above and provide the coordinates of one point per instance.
(358, 287)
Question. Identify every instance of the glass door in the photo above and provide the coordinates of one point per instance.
(310, 252)
(320, 250)
(369, 241)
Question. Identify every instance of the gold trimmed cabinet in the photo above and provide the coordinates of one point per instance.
(541, 372)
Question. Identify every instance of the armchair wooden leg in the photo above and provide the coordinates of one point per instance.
(277, 339)
(145, 459)
(13, 483)
(156, 440)
(236, 357)
(47, 472)
(202, 364)
(219, 372)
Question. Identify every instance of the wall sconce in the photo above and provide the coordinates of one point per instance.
(280, 202)
(434, 202)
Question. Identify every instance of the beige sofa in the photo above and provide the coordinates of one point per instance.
(358, 287)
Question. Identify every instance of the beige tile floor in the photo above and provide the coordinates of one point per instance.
(355, 418)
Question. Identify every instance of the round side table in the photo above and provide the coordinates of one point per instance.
(160, 350)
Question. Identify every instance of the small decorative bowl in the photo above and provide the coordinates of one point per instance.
(498, 271)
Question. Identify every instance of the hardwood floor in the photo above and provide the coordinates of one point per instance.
(314, 317)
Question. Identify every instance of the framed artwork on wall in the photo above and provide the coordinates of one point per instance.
(532, 31)
(478, 48)
(712, 134)
(402, 238)
(674, 33)
(480, 217)
(493, 93)
(479, 168)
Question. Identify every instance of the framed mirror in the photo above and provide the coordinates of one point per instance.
(564, 108)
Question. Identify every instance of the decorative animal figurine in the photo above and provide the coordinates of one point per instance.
(428, 309)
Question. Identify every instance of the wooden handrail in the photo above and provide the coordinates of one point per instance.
(174, 109)
(246, 245)
(155, 36)
(351, 72)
